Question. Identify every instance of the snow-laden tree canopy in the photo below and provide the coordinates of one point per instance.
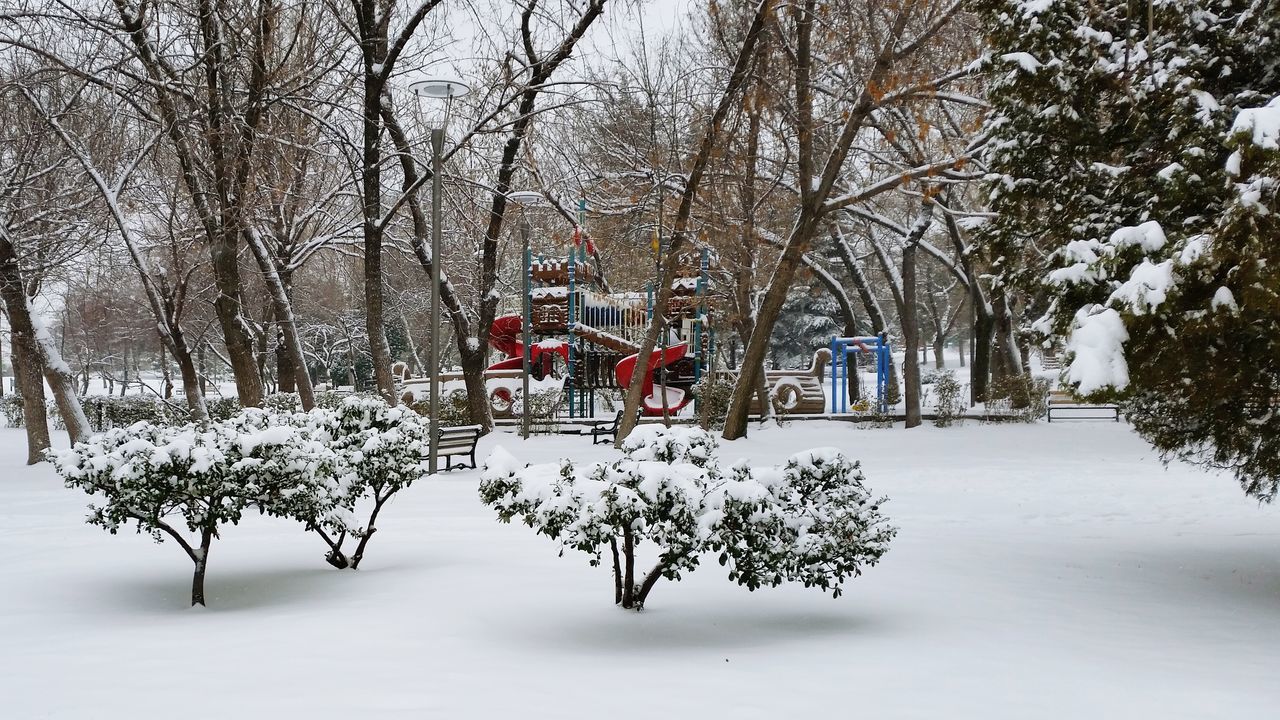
(810, 521)
(1133, 166)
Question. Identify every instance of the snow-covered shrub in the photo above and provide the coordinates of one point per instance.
(329, 399)
(546, 399)
(107, 411)
(948, 400)
(811, 521)
(713, 391)
(287, 402)
(1025, 396)
(186, 482)
(671, 445)
(11, 407)
(223, 408)
(381, 450)
(454, 410)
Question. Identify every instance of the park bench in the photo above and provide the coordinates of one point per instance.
(606, 432)
(458, 440)
(1070, 407)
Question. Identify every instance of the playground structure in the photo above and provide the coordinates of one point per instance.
(592, 338)
(847, 348)
(584, 339)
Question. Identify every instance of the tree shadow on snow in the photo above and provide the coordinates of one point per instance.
(1242, 568)
(231, 590)
(698, 628)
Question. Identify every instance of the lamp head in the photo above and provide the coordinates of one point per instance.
(526, 197)
(435, 89)
(440, 88)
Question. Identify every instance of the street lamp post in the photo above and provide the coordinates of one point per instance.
(437, 89)
(526, 335)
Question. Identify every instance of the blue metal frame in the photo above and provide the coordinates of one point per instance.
(841, 348)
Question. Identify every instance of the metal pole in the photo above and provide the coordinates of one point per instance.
(573, 260)
(835, 375)
(525, 335)
(437, 151)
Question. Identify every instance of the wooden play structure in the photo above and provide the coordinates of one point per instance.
(591, 338)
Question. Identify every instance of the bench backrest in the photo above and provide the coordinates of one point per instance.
(461, 436)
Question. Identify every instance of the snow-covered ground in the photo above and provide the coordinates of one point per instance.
(1042, 571)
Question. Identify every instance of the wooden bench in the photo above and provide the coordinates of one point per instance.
(1069, 407)
(458, 440)
(606, 432)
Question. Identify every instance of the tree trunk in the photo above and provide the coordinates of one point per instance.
(192, 380)
(980, 372)
(414, 358)
(753, 358)
(737, 78)
(649, 581)
(201, 562)
(278, 287)
(910, 335)
(617, 571)
(1006, 363)
(166, 374)
(201, 370)
(63, 383)
(629, 569)
(236, 334)
(40, 360)
(745, 326)
(30, 387)
(473, 369)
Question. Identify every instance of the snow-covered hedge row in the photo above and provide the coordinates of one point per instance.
(114, 411)
(185, 482)
(811, 521)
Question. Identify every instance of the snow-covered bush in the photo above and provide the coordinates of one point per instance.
(811, 522)
(108, 411)
(288, 402)
(186, 482)
(1025, 397)
(713, 391)
(330, 399)
(948, 400)
(381, 451)
(671, 445)
(454, 409)
(11, 407)
(223, 408)
(546, 399)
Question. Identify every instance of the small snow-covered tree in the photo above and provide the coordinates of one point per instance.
(381, 450)
(187, 482)
(811, 521)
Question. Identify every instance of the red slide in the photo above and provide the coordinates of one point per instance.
(653, 405)
(504, 336)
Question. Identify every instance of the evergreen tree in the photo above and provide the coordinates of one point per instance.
(809, 319)
(1132, 167)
